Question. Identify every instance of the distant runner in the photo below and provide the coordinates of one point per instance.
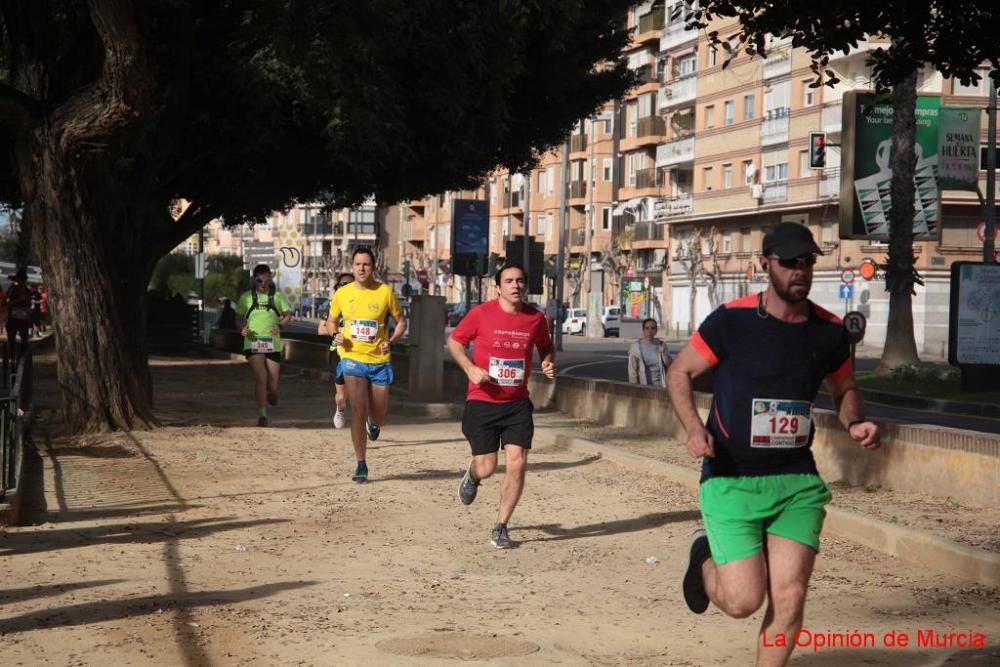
(761, 497)
(261, 313)
(340, 392)
(498, 412)
(365, 350)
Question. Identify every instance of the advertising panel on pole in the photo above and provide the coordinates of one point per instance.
(288, 273)
(470, 233)
(958, 148)
(974, 317)
(866, 174)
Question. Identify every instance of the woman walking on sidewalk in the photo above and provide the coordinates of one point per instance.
(648, 357)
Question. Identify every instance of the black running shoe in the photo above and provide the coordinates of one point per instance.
(694, 582)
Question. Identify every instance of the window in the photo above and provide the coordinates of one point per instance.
(550, 226)
(730, 111)
(776, 172)
(804, 170)
(606, 169)
(713, 56)
(607, 126)
(505, 226)
(539, 221)
(827, 234)
(727, 175)
(749, 106)
(687, 65)
(707, 178)
(710, 115)
(744, 239)
(550, 178)
(749, 172)
(361, 221)
(727, 243)
(493, 194)
(808, 94)
(981, 88)
(605, 218)
(542, 187)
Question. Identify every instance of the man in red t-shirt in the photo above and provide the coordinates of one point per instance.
(498, 412)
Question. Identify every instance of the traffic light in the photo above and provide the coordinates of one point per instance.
(817, 150)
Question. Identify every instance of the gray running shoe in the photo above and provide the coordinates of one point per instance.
(373, 429)
(499, 537)
(468, 487)
(693, 584)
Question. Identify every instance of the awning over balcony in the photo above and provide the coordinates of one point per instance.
(641, 207)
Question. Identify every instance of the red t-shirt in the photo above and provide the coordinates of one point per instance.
(502, 345)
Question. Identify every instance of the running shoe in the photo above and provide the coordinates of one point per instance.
(499, 537)
(468, 487)
(373, 429)
(338, 418)
(262, 421)
(694, 581)
(360, 473)
(272, 399)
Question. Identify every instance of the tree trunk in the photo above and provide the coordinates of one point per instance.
(900, 276)
(88, 241)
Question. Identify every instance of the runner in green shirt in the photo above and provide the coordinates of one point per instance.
(261, 313)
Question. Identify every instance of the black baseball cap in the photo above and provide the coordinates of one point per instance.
(788, 240)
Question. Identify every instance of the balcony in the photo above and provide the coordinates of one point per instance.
(674, 206)
(317, 228)
(577, 143)
(777, 63)
(511, 200)
(647, 231)
(775, 191)
(774, 129)
(652, 126)
(577, 237)
(646, 74)
(676, 34)
(646, 178)
(832, 117)
(577, 189)
(829, 183)
(652, 22)
(677, 151)
(679, 91)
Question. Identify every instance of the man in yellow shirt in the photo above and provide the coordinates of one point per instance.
(365, 350)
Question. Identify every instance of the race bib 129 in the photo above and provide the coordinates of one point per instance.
(780, 423)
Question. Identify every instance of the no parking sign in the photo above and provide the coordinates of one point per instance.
(855, 323)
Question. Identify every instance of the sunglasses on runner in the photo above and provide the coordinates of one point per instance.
(806, 262)
(261, 281)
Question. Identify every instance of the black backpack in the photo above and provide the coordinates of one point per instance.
(255, 302)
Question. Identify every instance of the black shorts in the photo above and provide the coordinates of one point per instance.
(273, 356)
(488, 426)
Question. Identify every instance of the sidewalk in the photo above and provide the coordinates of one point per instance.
(210, 542)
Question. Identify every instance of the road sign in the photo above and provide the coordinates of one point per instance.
(199, 266)
(868, 268)
(855, 324)
(846, 291)
(847, 276)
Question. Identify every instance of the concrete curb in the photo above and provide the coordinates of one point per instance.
(916, 547)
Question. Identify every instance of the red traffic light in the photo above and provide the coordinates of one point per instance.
(817, 150)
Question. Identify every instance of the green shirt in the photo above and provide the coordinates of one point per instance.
(262, 319)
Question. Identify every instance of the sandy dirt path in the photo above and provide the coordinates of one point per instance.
(209, 542)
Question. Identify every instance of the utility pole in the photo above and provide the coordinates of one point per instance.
(561, 240)
(527, 229)
(201, 284)
(991, 176)
(593, 310)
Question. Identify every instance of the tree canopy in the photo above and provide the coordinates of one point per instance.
(111, 111)
(954, 36)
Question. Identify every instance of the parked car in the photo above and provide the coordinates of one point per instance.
(611, 321)
(575, 322)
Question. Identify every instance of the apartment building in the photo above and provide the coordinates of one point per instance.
(697, 149)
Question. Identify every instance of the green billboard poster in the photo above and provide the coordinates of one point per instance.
(866, 175)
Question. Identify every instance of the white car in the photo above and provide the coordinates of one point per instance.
(576, 321)
(611, 320)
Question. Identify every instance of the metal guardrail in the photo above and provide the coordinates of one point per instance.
(15, 403)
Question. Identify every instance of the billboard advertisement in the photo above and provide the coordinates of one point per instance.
(866, 175)
(470, 234)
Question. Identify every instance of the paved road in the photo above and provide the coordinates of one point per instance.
(605, 359)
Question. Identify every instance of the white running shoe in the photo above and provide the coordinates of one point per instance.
(338, 419)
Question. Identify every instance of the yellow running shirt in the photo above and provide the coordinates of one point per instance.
(365, 312)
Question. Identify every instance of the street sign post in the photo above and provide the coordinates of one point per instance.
(847, 276)
(846, 291)
(855, 323)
